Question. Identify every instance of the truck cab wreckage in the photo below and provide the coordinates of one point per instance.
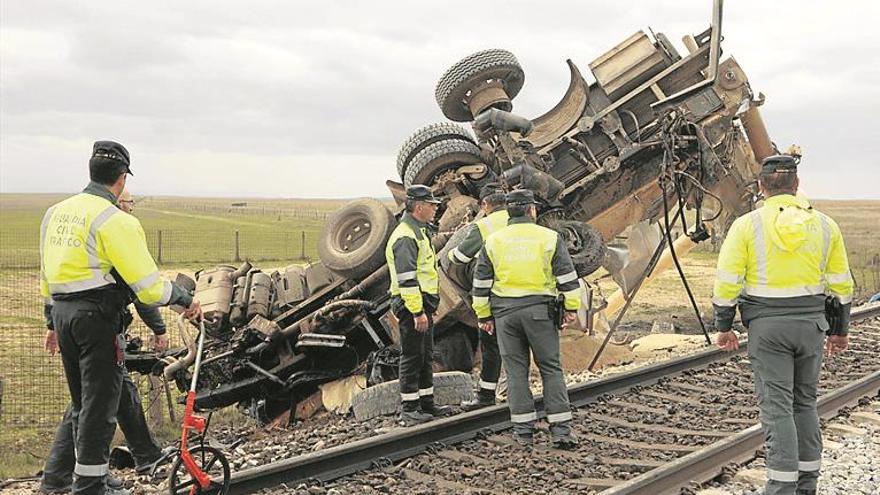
(655, 130)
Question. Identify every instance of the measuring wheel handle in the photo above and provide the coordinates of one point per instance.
(201, 468)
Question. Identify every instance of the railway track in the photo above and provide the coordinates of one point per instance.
(653, 430)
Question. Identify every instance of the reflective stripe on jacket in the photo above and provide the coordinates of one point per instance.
(85, 236)
(479, 231)
(524, 260)
(412, 264)
(785, 249)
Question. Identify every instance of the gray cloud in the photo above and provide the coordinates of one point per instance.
(295, 99)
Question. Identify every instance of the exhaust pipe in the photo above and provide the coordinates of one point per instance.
(503, 121)
(173, 364)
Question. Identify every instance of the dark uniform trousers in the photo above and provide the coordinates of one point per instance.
(786, 355)
(519, 331)
(90, 342)
(417, 355)
(490, 368)
(58, 471)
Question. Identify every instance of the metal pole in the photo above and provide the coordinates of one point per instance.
(159, 254)
(237, 246)
(171, 415)
(201, 345)
(302, 245)
(155, 396)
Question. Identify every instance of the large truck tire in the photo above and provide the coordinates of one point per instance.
(461, 78)
(450, 388)
(427, 136)
(352, 243)
(439, 157)
(585, 245)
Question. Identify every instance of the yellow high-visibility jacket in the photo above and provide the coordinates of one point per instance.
(85, 236)
(412, 265)
(784, 255)
(480, 231)
(522, 264)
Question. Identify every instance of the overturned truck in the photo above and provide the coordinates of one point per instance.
(656, 130)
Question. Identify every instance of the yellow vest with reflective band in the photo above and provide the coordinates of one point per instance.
(521, 255)
(783, 249)
(83, 237)
(492, 223)
(426, 267)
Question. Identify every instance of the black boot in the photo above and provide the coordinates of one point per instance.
(411, 415)
(562, 437)
(428, 406)
(484, 398)
(565, 442)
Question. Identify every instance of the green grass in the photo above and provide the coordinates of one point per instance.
(23, 451)
(858, 222)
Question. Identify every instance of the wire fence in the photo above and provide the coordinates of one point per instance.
(174, 247)
(33, 391)
(226, 209)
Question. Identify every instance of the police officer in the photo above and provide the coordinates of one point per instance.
(778, 264)
(520, 271)
(412, 264)
(493, 203)
(93, 259)
(58, 471)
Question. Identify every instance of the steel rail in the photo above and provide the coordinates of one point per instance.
(705, 464)
(350, 458)
(384, 449)
(865, 311)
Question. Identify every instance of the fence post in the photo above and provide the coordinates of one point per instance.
(237, 246)
(155, 397)
(302, 246)
(159, 253)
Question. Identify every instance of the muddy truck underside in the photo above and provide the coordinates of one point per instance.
(656, 131)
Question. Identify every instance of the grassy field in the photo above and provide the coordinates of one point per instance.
(862, 237)
(192, 230)
(199, 232)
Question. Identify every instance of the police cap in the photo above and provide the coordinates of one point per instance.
(521, 197)
(780, 164)
(418, 192)
(112, 150)
(490, 190)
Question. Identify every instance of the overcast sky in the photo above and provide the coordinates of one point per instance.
(312, 99)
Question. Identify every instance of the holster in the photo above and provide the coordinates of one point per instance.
(834, 314)
(557, 311)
